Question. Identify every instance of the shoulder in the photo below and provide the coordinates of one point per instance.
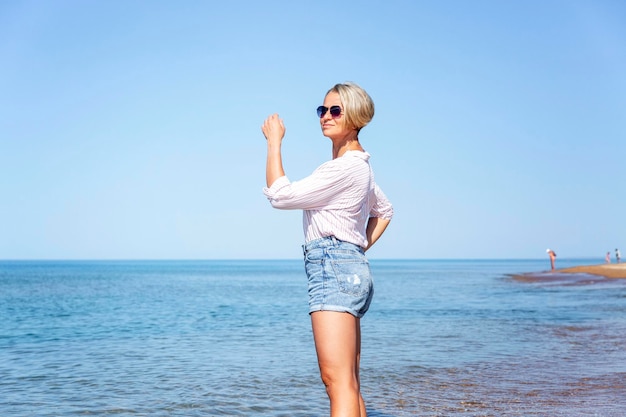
(351, 159)
(356, 159)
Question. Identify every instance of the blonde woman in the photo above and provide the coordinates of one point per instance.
(344, 214)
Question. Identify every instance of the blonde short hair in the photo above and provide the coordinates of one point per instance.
(357, 105)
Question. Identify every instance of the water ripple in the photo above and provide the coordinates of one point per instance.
(233, 339)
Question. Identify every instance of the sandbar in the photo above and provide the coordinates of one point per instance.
(605, 270)
(584, 274)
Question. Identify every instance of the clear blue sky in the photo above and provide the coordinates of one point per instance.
(131, 129)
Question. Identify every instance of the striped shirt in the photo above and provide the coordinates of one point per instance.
(338, 198)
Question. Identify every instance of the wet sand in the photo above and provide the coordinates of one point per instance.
(577, 275)
(604, 270)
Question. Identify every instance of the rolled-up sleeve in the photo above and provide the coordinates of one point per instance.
(274, 190)
(382, 208)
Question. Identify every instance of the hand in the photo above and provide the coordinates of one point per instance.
(273, 129)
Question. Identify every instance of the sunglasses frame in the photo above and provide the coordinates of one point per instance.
(322, 110)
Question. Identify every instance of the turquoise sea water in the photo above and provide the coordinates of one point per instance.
(233, 338)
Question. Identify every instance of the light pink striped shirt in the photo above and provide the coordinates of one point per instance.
(338, 198)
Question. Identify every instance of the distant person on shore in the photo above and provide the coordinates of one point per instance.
(607, 258)
(552, 256)
(344, 214)
(617, 256)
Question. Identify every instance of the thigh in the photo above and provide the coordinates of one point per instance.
(337, 341)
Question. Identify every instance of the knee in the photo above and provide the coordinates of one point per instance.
(335, 381)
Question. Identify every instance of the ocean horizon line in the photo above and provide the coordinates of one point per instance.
(246, 259)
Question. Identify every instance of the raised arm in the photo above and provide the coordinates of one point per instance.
(375, 228)
(274, 131)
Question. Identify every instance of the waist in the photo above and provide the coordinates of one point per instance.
(329, 241)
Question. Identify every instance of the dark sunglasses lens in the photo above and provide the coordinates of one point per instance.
(335, 111)
(321, 111)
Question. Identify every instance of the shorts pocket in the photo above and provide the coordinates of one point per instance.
(315, 255)
(353, 275)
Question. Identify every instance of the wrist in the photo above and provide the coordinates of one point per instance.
(273, 146)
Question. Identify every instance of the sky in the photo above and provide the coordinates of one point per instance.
(131, 129)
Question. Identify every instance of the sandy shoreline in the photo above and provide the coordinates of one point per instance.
(605, 270)
(579, 274)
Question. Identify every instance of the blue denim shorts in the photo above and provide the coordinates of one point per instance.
(339, 276)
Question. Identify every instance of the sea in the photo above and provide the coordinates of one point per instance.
(233, 338)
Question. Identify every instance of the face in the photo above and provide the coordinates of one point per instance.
(333, 128)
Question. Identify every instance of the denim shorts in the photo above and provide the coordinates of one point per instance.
(339, 277)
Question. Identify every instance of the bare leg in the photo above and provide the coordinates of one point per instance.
(358, 367)
(338, 343)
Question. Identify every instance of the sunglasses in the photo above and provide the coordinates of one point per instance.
(335, 111)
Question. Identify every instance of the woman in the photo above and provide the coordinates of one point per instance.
(345, 213)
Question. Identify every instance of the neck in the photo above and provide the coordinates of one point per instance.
(343, 145)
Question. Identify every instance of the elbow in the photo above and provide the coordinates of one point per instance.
(278, 204)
